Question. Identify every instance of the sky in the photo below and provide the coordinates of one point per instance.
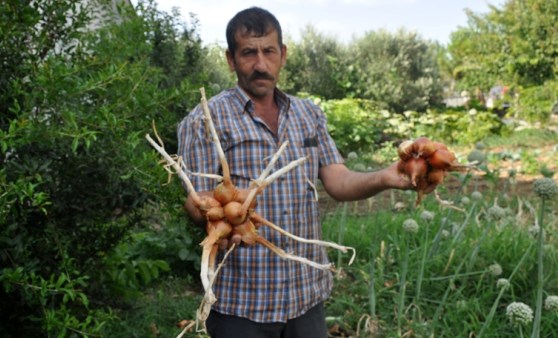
(342, 19)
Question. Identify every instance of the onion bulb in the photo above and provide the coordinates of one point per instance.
(405, 150)
(225, 192)
(233, 213)
(442, 159)
(416, 168)
(424, 147)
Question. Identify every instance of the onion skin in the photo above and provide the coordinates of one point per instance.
(439, 145)
(208, 202)
(436, 176)
(241, 196)
(217, 230)
(233, 213)
(416, 168)
(401, 167)
(225, 192)
(247, 230)
(215, 214)
(405, 150)
(424, 147)
(442, 159)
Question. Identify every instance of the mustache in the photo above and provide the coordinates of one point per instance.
(261, 76)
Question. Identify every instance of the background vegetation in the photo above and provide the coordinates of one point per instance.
(94, 242)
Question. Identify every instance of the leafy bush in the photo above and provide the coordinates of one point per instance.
(361, 126)
(76, 170)
(535, 103)
(355, 125)
(399, 69)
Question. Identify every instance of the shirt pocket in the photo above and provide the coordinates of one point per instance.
(307, 146)
(246, 158)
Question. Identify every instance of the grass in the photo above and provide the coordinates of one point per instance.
(158, 311)
(452, 291)
(523, 138)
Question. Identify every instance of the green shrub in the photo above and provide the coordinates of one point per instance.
(355, 125)
(535, 103)
(76, 170)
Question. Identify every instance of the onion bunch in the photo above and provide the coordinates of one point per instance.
(426, 163)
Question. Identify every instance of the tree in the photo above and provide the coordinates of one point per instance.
(398, 69)
(317, 65)
(516, 44)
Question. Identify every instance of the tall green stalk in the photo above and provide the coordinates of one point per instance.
(403, 286)
(540, 277)
(341, 233)
(371, 288)
(545, 188)
(422, 264)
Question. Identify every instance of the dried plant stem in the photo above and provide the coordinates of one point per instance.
(258, 182)
(181, 174)
(281, 253)
(261, 184)
(186, 329)
(272, 161)
(215, 137)
(445, 203)
(341, 248)
(209, 298)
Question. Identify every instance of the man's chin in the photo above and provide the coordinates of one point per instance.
(260, 91)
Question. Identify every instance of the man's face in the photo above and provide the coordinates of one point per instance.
(257, 62)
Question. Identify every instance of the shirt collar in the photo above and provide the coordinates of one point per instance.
(282, 99)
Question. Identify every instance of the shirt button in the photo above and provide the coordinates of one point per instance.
(285, 212)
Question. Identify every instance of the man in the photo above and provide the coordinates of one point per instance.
(258, 293)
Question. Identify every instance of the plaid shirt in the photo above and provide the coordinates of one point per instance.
(255, 283)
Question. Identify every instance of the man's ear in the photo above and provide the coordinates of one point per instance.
(230, 59)
(283, 55)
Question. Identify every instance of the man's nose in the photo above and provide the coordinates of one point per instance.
(261, 65)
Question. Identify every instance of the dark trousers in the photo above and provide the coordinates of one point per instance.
(310, 325)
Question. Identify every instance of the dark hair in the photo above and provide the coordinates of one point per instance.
(254, 20)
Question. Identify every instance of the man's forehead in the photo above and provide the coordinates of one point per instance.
(250, 38)
(245, 32)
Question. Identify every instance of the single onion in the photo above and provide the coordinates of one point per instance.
(225, 193)
(215, 213)
(218, 229)
(405, 150)
(438, 145)
(442, 159)
(424, 147)
(233, 213)
(416, 168)
(247, 230)
(208, 202)
(436, 176)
